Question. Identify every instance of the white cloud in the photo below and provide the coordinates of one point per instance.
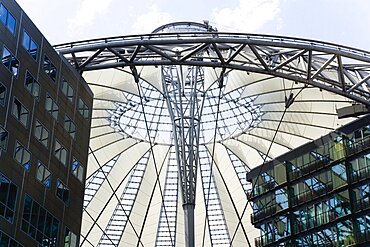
(86, 14)
(149, 21)
(248, 16)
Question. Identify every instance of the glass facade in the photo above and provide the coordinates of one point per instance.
(8, 197)
(319, 198)
(7, 241)
(39, 224)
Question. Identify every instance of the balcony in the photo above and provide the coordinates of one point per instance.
(263, 213)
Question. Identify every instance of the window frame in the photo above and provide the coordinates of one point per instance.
(84, 109)
(62, 148)
(5, 147)
(6, 21)
(16, 117)
(10, 66)
(64, 188)
(6, 205)
(43, 180)
(66, 85)
(67, 242)
(29, 45)
(53, 103)
(51, 68)
(76, 171)
(53, 221)
(23, 150)
(34, 81)
(3, 102)
(43, 128)
(68, 121)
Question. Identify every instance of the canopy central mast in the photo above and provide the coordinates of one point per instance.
(183, 88)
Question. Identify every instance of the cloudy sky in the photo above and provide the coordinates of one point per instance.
(338, 21)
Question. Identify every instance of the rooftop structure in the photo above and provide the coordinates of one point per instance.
(181, 115)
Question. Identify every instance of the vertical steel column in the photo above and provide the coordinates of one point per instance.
(183, 89)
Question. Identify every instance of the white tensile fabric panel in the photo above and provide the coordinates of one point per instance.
(287, 130)
(237, 79)
(121, 169)
(107, 93)
(200, 215)
(114, 78)
(142, 202)
(101, 130)
(152, 75)
(104, 104)
(124, 164)
(109, 148)
(238, 197)
(92, 166)
(302, 107)
(105, 140)
(263, 145)
(123, 146)
(247, 154)
(307, 94)
(280, 138)
(101, 113)
(227, 171)
(101, 209)
(154, 206)
(271, 84)
(99, 122)
(127, 160)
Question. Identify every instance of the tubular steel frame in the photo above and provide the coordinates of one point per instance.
(300, 60)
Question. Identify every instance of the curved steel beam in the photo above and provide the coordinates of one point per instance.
(338, 69)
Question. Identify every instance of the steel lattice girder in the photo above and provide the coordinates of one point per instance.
(338, 69)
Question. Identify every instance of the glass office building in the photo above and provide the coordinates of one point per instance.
(318, 194)
(45, 115)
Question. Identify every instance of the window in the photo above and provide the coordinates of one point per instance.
(60, 152)
(22, 156)
(5, 240)
(9, 61)
(30, 45)
(2, 94)
(70, 239)
(32, 85)
(41, 134)
(67, 90)
(8, 195)
(20, 112)
(51, 107)
(62, 191)
(4, 136)
(38, 223)
(7, 19)
(50, 69)
(43, 175)
(83, 109)
(77, 169)
(70, 127)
